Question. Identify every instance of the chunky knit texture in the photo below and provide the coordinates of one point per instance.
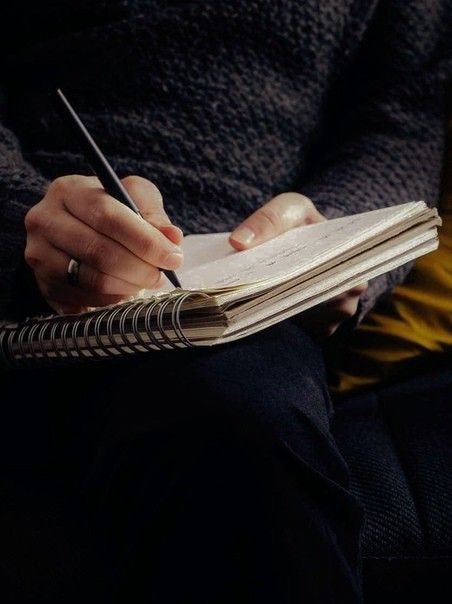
(225, 103)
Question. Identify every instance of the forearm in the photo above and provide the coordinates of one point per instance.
(21, 186)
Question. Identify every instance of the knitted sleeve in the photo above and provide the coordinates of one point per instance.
(21, 186)
(390, 115)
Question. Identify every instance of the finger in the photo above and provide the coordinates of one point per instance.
(54, 273)
(358, 290)
(149, 201)
(78, 304)
(322, 321)
(51, 276)
(147, 198)
(104, 214)
(282, 213)
(99, 252)
(345, 305)
(355, 292)
(173, 233)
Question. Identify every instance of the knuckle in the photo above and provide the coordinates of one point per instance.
(291, 196)
(311, 214)
(154, 192)
(304, 200)
(101, 212)
(156, 217)
(270, 217)
(61, 184)
(132, 180)
(94, 251)
(57, 185)
(138, 181)
(33, 220)
(149, 248)
(144, 187)
(32, 258)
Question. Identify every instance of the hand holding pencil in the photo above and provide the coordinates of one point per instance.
(117, 252)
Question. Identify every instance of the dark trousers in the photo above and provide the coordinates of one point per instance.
(199, 476)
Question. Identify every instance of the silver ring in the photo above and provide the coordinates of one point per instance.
(72, 272)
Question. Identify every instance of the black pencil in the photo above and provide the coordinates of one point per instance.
(99, 164)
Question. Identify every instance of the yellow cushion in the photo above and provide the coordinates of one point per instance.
(416, 319)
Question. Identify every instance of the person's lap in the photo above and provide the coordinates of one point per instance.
(121, 399)
(191, 460)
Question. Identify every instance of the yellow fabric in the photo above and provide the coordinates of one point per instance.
(416, 319)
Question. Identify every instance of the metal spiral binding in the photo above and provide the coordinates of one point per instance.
(97, 334)
(69, 339)
(20, 340)
(110, 334)
(31, 340)
(75, 339)
(42, 330)
(56, 350)
(148, 327)
(175, 317)
(135, 329)
(10, 343)
(159, 321)
(64, 339)
(91, 351)
(122, 328)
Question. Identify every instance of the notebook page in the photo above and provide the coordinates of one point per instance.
(211, 262)
(302, 300)
(198, 251)
(229, 300)
(204, 249)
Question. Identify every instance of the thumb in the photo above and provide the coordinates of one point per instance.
(283, 212)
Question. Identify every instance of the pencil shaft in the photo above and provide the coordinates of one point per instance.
(100, 166)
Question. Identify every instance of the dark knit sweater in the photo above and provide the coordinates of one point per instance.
(225, 103)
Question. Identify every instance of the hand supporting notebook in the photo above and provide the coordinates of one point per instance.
(284, 212)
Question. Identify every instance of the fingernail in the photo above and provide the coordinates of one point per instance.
(243, 235)
(173, 260)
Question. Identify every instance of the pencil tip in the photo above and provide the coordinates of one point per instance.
(173, 278)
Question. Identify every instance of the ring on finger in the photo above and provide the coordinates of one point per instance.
(73, 271)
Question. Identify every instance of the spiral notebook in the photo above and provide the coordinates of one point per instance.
(228, 295)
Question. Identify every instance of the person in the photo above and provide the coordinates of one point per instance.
(210, 475)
